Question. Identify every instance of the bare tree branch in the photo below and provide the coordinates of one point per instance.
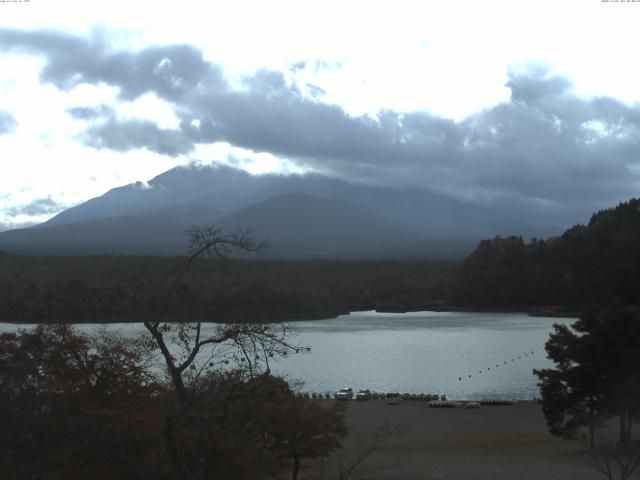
(253, 344)
(615, 462)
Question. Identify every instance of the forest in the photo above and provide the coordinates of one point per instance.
(85, 289)
(592, 263)
(589, 263)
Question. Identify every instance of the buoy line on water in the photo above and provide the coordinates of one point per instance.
(432, 400)
(504, 362)
(427, 396)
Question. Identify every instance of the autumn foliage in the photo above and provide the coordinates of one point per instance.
(73, 406)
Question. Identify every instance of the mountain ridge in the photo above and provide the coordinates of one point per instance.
(184, 196)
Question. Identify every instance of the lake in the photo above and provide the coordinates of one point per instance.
(466, 355)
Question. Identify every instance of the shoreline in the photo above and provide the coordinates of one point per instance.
(548, 312)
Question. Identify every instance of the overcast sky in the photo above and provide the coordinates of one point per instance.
(526, 107)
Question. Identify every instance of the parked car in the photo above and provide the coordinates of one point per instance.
(393, 399)
(345, 393)
(363, 394)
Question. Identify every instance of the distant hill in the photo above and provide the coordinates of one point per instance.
(597, 262)
(180, 188)
(228, 189)
(129, 235)
(298, 223)
(149, 218)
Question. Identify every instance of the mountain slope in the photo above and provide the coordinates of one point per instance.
(304, 215)
(227, 190)
(130, 235)
(297, 225)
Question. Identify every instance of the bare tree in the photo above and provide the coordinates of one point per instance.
(350, 462)
(615, 462)
(190, 349)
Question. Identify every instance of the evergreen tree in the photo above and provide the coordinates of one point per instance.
(596, 373)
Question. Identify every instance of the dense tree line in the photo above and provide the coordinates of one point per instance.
(599, 262)
(81, 289)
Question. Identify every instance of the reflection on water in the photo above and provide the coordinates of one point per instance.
(462, 355)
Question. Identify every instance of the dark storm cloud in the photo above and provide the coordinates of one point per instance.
(91, 113)
(168, 71)
(124, 135)
(105, 130)
(39, 206)
(7, 122)
(544, 147)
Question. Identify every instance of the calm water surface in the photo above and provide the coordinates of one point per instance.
(462, 355)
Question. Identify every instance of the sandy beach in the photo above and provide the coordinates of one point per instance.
(491, 442)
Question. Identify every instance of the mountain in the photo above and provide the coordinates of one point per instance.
(303, 214)
(227, 189)
(129, 234)
(297, 226)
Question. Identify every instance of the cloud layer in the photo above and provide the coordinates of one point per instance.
(39, 206)
(546, 151)
(7, 122)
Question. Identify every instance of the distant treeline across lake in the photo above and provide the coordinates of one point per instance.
(87, 289)
(598, 262)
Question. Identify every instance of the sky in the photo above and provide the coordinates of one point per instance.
(531, 109)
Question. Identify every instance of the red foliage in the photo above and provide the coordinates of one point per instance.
(73, 407)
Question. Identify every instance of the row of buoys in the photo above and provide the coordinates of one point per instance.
(315, 395)
(472, 404)
(526, 354)
(498, 402)
(435, 401)
(420, 397)
(443, 404)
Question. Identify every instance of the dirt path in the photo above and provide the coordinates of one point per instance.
(494, 443)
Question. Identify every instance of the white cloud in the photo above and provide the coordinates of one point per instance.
(91, 95)
(402, 55)
(448, 58)
(256, 163)
(149, 107)
(68, 173)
